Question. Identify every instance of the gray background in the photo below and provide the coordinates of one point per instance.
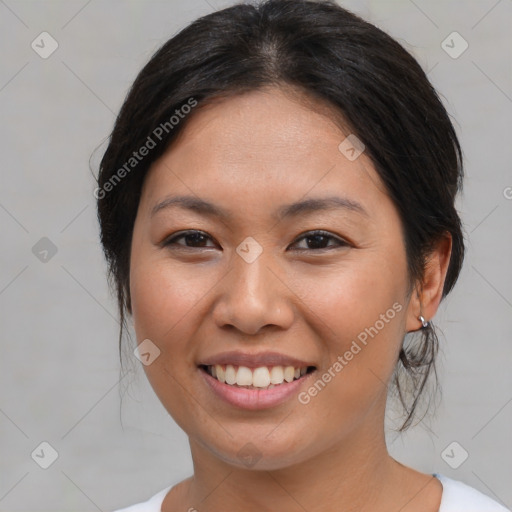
(59, 366)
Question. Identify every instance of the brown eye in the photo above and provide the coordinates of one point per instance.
(318, 240)
(193, 239)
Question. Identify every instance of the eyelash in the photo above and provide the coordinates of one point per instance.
(342, 243)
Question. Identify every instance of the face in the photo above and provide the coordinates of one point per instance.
(249, 282)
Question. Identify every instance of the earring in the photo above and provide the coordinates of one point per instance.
(424, 323)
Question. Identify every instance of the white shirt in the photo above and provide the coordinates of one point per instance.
(456, 497)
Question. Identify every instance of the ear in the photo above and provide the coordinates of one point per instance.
(427, 294)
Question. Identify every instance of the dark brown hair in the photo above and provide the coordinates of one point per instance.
(369, 80)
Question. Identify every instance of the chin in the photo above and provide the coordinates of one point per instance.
(260, 452)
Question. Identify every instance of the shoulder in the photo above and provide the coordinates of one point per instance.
(154, 504)
(459, 496)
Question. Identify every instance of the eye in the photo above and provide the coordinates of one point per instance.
(318, 240)
(196, 239)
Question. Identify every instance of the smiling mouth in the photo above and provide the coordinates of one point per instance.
(263, 377)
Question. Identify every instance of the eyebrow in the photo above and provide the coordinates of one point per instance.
(290, 210)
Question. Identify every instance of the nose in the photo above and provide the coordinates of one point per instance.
(253, 296)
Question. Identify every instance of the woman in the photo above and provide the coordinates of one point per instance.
(277, 210)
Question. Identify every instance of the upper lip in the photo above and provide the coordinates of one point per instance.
(237, 358)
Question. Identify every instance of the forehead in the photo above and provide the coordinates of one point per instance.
(265, 122)
(259, 146)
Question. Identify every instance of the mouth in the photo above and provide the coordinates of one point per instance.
(254, 381)
(260, 378)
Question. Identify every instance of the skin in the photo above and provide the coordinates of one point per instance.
(250, 154)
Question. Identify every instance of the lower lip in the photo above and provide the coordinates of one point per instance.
(254, 399)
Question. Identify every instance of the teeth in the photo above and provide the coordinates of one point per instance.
(220, 373)
(261, 377)
(289, 373)
(277, 375)
(244, 376)
(230, 374)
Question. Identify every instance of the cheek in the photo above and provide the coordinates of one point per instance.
(354, 295)
(162, 297)
(362, 317)
(362, 307)
(164, 302)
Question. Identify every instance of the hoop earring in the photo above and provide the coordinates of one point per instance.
(424, 323)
